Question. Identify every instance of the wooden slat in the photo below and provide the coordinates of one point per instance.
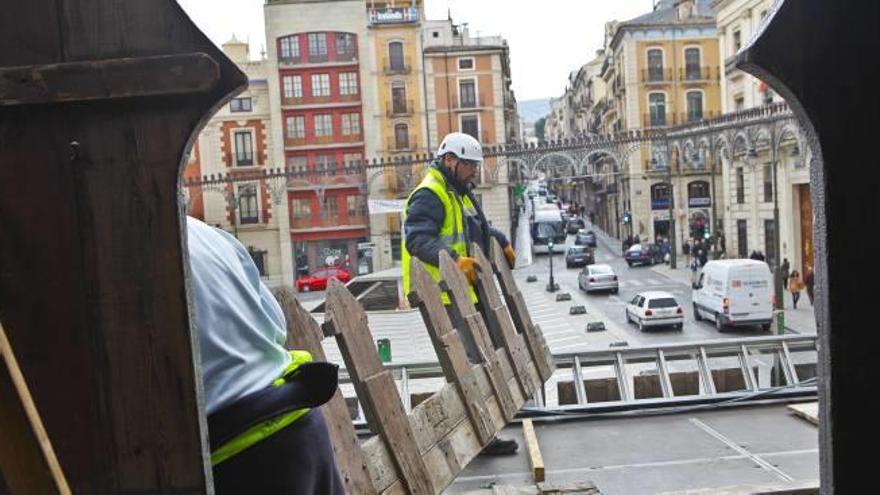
(107, 79)
(501, 326)
(456, 285)
(347, 321)
(27, 460)
(450, 351)
(303, 332)
(536, 460)
(519, 312)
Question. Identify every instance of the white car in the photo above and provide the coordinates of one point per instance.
(598, 277)
(655, 309)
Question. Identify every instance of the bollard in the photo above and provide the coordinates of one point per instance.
(384, 348)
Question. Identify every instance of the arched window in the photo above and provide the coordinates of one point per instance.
(660, 194)
(692, 64)
(699, 194)
(401, 136)
(655, 64)
(657, 107)
(395, 56)
(695, 105)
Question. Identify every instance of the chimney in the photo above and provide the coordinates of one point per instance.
(685, 9)
(236, 50)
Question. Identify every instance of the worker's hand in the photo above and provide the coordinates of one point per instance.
(511, 256)
(468, 267)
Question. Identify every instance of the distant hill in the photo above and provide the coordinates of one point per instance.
(532, 110)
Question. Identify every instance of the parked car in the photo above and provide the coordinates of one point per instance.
(643, 254)
(317, 280)
(734, 293)
(574, 225)
(579, 256)
(585, 238)
(598, 277)
(654, 309)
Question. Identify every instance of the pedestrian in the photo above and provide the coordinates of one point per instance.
(442, 214)
(686, 248)
(636, 240)
(251, 382)
(785, 269)
(704, 256)
(694, 266)
(795, 286)
(808, 281)
(754, 255)
(761, 256)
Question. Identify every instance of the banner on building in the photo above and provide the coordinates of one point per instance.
(383, 206)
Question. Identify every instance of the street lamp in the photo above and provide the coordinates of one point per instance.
(672, 239)
(777, 252)
(551, 285)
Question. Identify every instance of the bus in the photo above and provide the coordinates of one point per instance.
(547, 226)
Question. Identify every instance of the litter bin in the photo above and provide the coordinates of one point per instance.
(384, 348)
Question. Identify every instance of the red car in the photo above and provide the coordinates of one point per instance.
(317, 280)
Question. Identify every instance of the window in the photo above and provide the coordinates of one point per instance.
(470, 124)
(694, 105)
(436, 34)
(325, 163)
(331, 207)
(655, 65)
(240, 105)
(317, 47)
(742, 239)
(465, 64)
(244, 148)
(292, 86)
(345, 46)
(657, 106)
(467, 91)
(698, 189)
(737, 41)
(395, 56)
(395, 247)
(323, 125)
(247, 204)
(351, 124)
(770, 241)
(298, 164)
(320, 85)
(301, 208)
(740, 186)
(355, 206)
(768, 96)
(259, 257)
(768, 183)
(739, 103)
(290, 48)
(398, 98)
(295, 127)
(692, 63)
(401, 136)
(350, 158)
(348, 83)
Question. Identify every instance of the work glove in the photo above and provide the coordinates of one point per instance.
(468, 267)
(510, 255)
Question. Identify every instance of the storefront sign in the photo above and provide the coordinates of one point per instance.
(382, 206)
(699, 201)
(660, 204)
(394, 15)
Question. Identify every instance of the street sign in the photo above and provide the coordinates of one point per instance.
(519, 190)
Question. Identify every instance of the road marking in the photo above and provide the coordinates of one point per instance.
(551, 341)
(730, 443)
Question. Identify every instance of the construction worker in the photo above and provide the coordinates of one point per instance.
(441, 214)
(264, 435)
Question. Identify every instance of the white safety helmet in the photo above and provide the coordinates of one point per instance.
(464, 146)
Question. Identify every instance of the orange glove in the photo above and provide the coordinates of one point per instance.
(468, 267)
(511, 256)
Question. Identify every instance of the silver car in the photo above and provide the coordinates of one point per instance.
(598, 277)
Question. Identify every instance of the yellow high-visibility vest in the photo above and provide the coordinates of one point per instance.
(452, 232)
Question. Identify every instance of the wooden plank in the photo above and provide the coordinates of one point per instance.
(450, 351)
(27, 460)
(303, 332)
(456, 285)
(808, 411)
(108, 79)
(347, 321)
(536, 460)
(500, 325)
(519, 312)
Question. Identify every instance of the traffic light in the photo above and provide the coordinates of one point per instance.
(706, 234)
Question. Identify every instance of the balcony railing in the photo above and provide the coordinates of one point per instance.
(330, 219)
(704, 73)
(468, 104)
(399, 108)
(402, 67)
(659, 75)
(294, 141)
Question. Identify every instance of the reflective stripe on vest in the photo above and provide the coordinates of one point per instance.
(452, 232)
(265, 429)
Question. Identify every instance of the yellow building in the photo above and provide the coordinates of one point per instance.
(664, 70)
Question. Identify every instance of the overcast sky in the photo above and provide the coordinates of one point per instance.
(548, 39)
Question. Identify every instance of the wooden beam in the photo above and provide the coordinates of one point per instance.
(456, 286)
(347, 321)
(535, 458)
(450, 351)
(27, 460)
(108, 79)
(303, 332)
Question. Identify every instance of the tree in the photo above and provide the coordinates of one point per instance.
(539, 128)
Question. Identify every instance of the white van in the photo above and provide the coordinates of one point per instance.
(734, 293)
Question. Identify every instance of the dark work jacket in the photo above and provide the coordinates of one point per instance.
(424, 218)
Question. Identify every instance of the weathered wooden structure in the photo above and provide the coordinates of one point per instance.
(489, 379)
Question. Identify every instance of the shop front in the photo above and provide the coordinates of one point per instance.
(345, 249)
